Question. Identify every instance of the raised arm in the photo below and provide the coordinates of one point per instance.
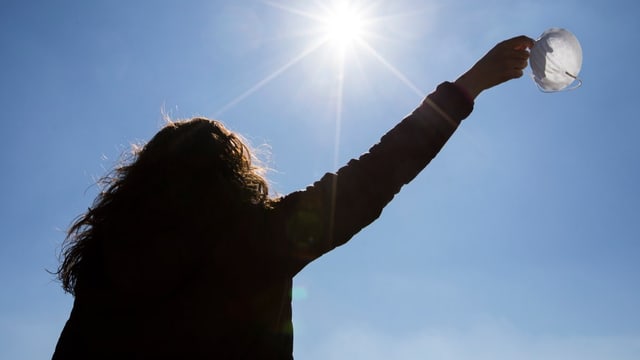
(313, 221)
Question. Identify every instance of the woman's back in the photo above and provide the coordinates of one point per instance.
(229, 302)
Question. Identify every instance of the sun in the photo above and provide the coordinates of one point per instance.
(347, 30)
(343, 24)
(338, 23)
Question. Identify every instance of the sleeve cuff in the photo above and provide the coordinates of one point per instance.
(452, 100)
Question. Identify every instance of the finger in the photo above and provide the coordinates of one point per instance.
(516, 57)
(514, 73)
(517, 63)
(521, 42)
(521, 54)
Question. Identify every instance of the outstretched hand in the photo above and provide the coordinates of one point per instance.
(504, 62)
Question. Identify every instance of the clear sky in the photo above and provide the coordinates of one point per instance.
(520, 241)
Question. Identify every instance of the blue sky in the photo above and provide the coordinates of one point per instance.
(521, 239)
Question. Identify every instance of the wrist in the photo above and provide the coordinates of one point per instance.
(469, 86)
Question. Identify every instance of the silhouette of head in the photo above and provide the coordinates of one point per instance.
(191, 177)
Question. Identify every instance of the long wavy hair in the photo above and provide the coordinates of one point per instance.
(192, 172)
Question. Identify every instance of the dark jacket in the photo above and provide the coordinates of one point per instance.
(235, 302)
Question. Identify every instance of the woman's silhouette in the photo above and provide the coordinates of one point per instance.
(184, 254)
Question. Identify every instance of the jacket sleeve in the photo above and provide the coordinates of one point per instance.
(308, 223)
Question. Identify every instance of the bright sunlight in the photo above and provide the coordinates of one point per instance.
(343, 24)
(338, 23)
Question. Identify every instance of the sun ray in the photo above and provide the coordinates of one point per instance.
(345, 24)
(339, 104)
(270, 77)
(336, 145)
(404, 79)
(294, 11)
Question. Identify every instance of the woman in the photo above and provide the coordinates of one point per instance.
(184, 254)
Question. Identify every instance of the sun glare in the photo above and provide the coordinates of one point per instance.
(343, 25)
(340, 26)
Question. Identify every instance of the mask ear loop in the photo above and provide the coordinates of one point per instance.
(577, 82)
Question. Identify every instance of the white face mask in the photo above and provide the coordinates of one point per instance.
(556, 59)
